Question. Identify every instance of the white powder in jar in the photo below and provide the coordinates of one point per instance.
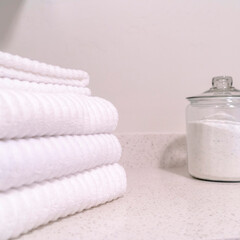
(214, 149)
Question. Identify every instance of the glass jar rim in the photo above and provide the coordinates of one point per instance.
(213, 97)
(222, 87)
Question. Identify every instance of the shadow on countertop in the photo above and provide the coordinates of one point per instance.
(174, 157)
(175, 153)
(181, 171)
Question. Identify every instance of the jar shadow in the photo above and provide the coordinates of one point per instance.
(174, 157)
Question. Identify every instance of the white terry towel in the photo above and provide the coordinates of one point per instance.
(15, 84)
(13, 66)
(25, 114)
(25, 161)
(30, 77)
(26, 208)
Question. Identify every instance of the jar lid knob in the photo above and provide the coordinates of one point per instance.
(222, 82)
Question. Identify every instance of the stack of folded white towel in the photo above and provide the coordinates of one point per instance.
(57, 152)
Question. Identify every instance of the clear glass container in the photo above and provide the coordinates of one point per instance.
(213, 132)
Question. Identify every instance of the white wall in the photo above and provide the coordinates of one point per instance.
(145, 56)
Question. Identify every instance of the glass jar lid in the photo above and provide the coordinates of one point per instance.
(221, 87)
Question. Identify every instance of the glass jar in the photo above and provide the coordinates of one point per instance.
(213, 132)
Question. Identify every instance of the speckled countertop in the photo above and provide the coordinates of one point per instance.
(160, 203)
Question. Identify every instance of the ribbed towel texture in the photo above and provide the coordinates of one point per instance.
(26, 208)
(30, 160)
(14, 66)
(25, 114)
(15, 84)
(30, 77)
(57, 152)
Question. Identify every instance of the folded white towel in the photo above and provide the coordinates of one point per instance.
(29, 66)
(25, 114)
(30, 160)
(30, 77)
(26, 208)
(14, 84)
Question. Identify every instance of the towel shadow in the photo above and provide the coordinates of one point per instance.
(9, 10)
